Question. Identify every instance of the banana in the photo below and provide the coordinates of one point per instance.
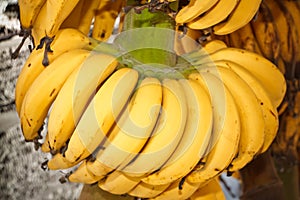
(132, 130)
(29, 9)
(194, 9)
(213, 46)
(179, 190)
(265, 32)
(244, 11)
(144, 190)
(51, 16)
(283, 29)
(118, 183)
(44, 90)
(45, 146)
(226, 129)
(244, 38)
(269, 111)
(58, 162)
(264, 70)
(72, 20)
(214, 15)
(82, 175)
(195, 138)
(211, 191)
(101, 114)
(252, 121)
(166, 135)
(75, 95)
(65, 40)
(105, 17)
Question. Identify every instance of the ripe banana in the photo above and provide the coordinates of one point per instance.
(269, 111)
(82, 175)
(45, 146)
(214, 15)
(244, 11)
(50, 18)
(166, 135)
(65, 40)
(213, 46)
(195, 140)
(132, 130)
(101, 114)
(44, 90)
(29, 10)
(105, 17)
(118, 183)
(264, 70)
(211, 191)
(226, 129)
(252, 121)
(179, 190)
(75, 95)
(58, 162)
(194, 9)
(144, 190)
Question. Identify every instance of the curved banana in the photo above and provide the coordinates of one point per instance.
(74, 96)
(166, 135)
(195, 140)
(44, 90)
(132, 130)
(214, 15)
(194, 9)
(118, 183)
(45, 146)
(214, 45)
(264, 70)
(252, 121)
(211, 191)
(179, 190)
(82, 175)
(244, 11)
(29, 9)
(144, 190)
(65, 40)
(101, 114)
(226, 129)
(269, 111)
(105, 17)
(58, 162)
(50, 17)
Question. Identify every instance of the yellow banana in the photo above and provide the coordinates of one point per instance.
(65, 40)
(58, 162)
(265, 32)
(75, 95)
(45, 146)
(144, 190)
(211, 191)
(44, 90)
(252, 121)
(166, 135)
(118, 183)
(51, 16)
(29, 9)
(244, 11)
(195, 138)
(264, 70)
(213, 46)
(82, 175)
(179, 190)
(269, 111)
(214, 15)
(101, 114)
(194, 9)
(226, 129)
(105, 17)
(132, 130)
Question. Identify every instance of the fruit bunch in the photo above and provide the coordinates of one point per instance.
(142, 121)
(222, 16)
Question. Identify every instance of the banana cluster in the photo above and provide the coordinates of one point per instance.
(148, 136)
(222, 16)
(274, 33)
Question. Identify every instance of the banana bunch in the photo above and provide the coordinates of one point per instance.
(222, 16)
